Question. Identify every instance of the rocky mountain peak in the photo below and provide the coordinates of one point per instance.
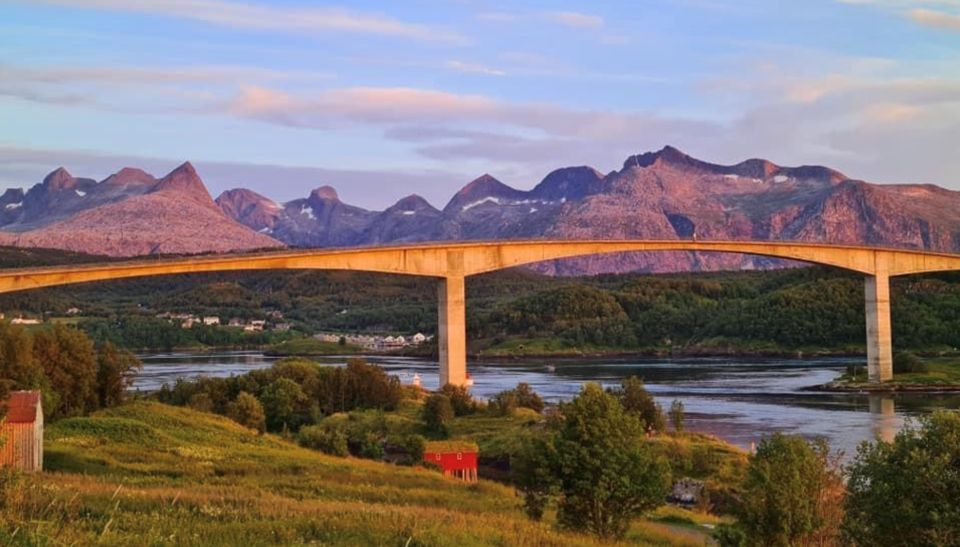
(324, 193)
(755, 168)
(413, 202)
(569, 183)
(129, 176)
(186, 183)
(59, 179)
(485, 187)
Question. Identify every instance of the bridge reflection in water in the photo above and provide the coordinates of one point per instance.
(886, 423)
(452, 262)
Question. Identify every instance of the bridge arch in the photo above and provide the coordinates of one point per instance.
(452, 262)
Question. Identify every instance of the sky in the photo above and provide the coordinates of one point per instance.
(381, 99)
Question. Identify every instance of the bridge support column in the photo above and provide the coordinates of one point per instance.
(879, 345)
(452, 328)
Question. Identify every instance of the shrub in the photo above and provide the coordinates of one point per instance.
(907, 492)
(201, 402)
(247, 411)
(437, 413)
(598, 465)
(521, 396)
(414, 446)
(792, 493)
(635, 398)
(460, 398)
(282, 401)
(329, 440)
(677, 416)
(905, 362)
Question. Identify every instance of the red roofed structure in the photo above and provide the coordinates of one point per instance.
(21, 436)
(456, 458)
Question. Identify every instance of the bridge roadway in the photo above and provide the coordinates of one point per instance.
(452, 262)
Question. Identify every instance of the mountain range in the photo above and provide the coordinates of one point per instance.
(655, 195)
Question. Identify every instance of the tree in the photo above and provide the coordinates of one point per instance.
(460, 398)
(532, 471)
(792, 493)
(247, 411)
(677, 416)
(69, 362)
(437, 413)
(115, 370)
(907, 492)
(636, 399)
(608, 474)
(282, 400)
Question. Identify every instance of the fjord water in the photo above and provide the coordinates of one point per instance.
(737, 399)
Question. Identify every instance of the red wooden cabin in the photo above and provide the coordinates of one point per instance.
(456, 458)
(21, 433)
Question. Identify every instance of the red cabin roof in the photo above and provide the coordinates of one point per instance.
(23, 407)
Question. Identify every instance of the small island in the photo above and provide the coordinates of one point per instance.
(910, 373)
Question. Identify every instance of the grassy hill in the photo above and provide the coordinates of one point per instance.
(147, 473)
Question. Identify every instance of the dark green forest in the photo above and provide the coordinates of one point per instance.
(518, 311)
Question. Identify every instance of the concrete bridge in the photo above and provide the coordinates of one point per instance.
(452, 262)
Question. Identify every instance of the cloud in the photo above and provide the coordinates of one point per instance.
(473, 68)
(937, 19)
(575, 19)
(264, 17)
(851, 118)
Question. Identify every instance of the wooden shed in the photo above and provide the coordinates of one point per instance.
(456, 458)
(22, 432)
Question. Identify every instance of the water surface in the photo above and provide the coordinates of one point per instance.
(738, 399)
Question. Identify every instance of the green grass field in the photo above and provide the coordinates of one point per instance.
(150, 474)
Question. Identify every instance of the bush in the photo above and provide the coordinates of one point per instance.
(438, 413)
(201, 402)
(635, 398)
(677, 416)
(905, 362)
(522, 396)
(329, 440)
(247, 411)
(907, 492)
(414, 446)
(792, 493)
(461, 400)
(598, 465)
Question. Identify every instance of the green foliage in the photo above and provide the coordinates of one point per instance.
(597, 463)
(522, 396)
(247, 411)
(115, 372)
(438, 413)
(905, 362)
(69, 362)
(294, 392)
(283, 401)
(677, 416)
(532, 470)
(792, 493)
(463, 403)
(329, 440)
(907, 492)
(636, 399)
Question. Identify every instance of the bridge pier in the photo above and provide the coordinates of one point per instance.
(879, 345)
(452, 330)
